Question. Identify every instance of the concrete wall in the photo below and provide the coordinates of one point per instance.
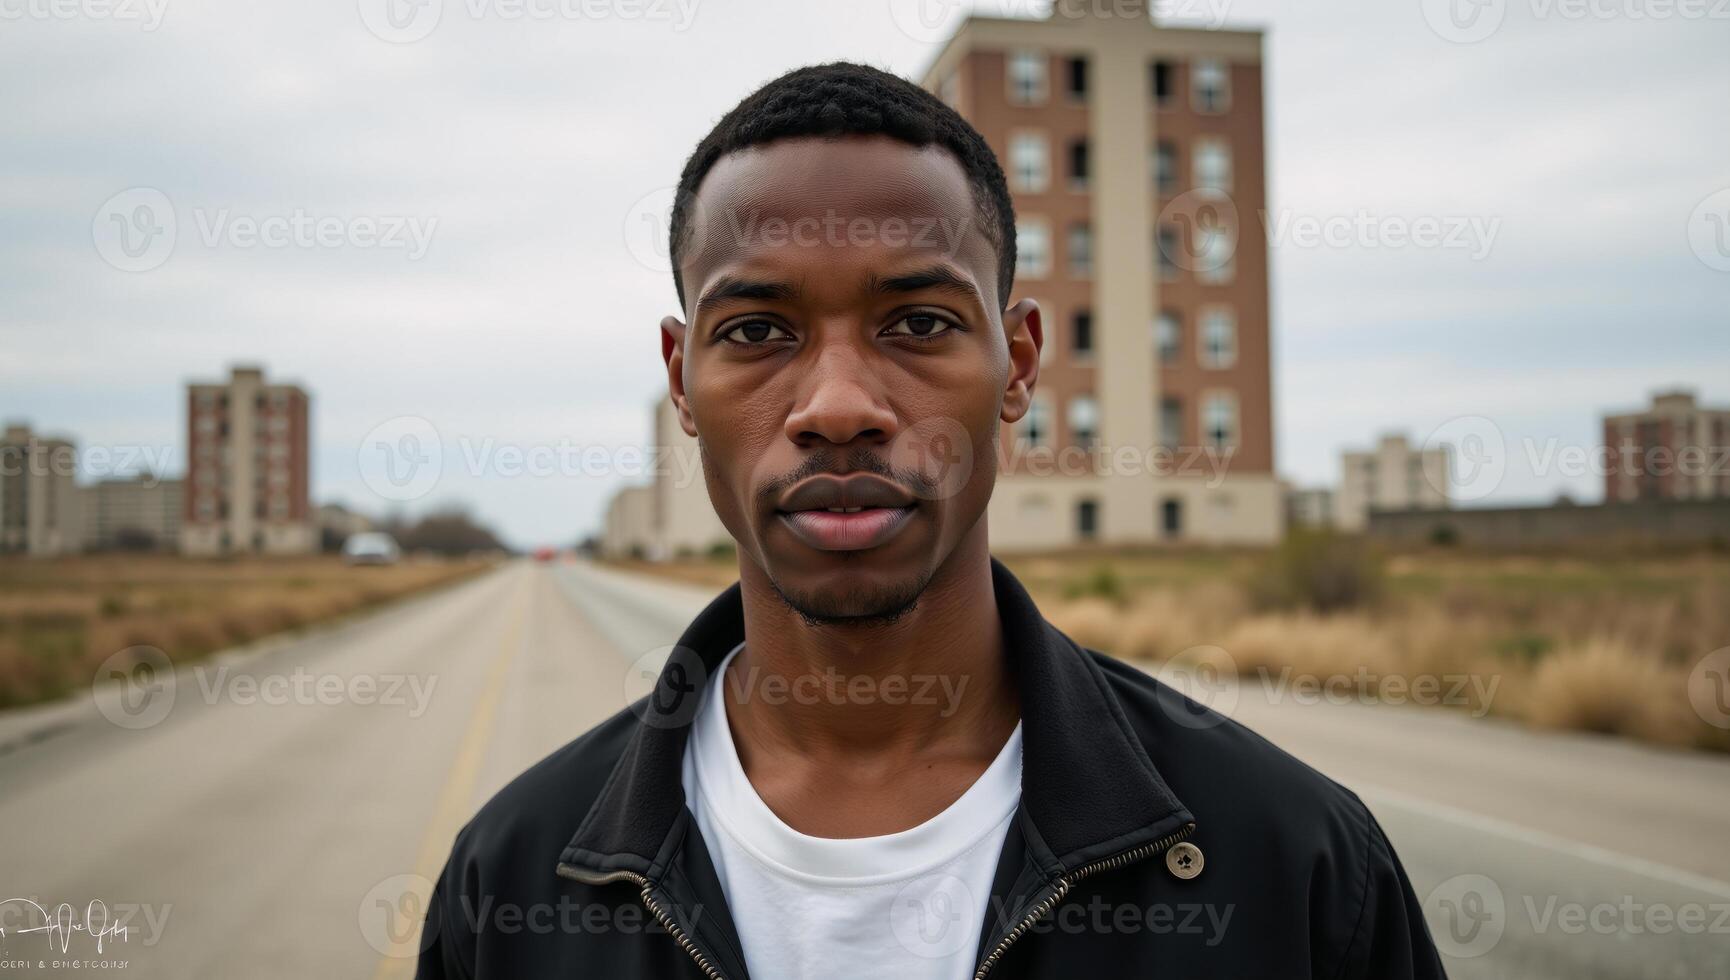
(1644, 522)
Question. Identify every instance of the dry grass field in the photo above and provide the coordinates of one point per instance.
(1595, 643)
(60, 618)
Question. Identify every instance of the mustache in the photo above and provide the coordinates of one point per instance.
(858, 461)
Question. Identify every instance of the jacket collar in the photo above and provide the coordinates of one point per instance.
(1089, 790)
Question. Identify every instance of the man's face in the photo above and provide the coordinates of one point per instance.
(845, 367)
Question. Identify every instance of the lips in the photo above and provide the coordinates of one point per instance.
(851, 513)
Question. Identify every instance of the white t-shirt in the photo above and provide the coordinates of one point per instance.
(906, 906)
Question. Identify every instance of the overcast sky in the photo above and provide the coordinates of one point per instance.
(489, 192)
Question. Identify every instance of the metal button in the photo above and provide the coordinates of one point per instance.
(1184, 860)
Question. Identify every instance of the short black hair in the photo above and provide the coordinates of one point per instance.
(842, 98)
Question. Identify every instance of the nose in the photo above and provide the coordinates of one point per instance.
(840, 401)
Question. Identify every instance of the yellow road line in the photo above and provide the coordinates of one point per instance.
(452, 809)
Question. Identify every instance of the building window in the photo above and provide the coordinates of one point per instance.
(1087, 519)
(1171, 423)
(1032, 249)
(1165, 166)
(1215, 254)
(1080, 250)
(1027, 81)
(1167, 246)
(1219, 420)
(1171, 517)
(1211, 83)
(1078, 79)
(1030, 162)
(1083, 421)
(1218, 338)
(1168, 336)
(1213, 165)
(1162, 77)
(1081, 339)
(1036, 424)
(1078, 165)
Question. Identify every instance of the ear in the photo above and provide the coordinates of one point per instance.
(1026, 335)
(673, 334)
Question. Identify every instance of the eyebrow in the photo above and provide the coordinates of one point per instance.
(735, 287)
(940, 277)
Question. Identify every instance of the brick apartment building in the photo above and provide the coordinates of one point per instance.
(1674, 450)
(248, 468)
(1134, 153)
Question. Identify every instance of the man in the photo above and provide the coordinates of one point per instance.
(872, 757)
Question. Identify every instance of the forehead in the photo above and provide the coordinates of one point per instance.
(809, 203)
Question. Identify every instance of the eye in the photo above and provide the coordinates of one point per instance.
(920, 325)
(754, 332)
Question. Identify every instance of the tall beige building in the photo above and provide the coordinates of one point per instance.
(1392, 476)
(670, 516)
(248, 468)
(39, 503)
(1134, 153)
(132, 513)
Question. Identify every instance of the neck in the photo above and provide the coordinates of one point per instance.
(932, 680)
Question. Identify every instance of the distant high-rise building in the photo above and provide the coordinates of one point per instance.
(1392, 476)
(248, 468)
(39, 513)
(139, 513)
(1134, 154)
(1674, 450)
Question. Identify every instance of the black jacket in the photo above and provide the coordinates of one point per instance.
(590, 865)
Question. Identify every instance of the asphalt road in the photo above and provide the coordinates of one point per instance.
(280, 812)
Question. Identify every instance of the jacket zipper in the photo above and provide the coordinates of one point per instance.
(1061, 890)
(646, 895)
